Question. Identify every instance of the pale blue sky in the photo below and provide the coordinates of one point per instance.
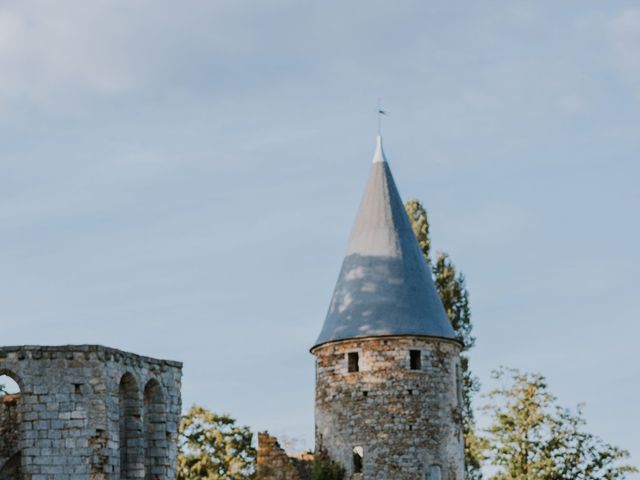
(179, 180)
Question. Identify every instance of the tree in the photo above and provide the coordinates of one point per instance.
(455, 298)
(531, 437)
(213, 447)
(420, 224)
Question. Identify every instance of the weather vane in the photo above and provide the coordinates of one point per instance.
(381, 112)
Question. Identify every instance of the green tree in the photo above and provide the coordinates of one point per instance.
(420, 224)
(213, 447)
(453, 292)
(532, 438)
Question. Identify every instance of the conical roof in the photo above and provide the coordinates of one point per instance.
(385, 286)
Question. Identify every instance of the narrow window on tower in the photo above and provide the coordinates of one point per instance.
(358, 459)
(415, 359)
(459, 385)
(353, 361)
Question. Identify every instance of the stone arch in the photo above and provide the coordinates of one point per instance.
(130, 429)
(13, 376)
(358, 460)
(11, 428)
(156, 445)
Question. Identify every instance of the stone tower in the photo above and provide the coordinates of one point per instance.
(388, 393)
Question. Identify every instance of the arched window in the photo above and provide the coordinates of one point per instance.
(358, 459)
(131, 437)
(156, 445)
(435, 473)
(10, 430)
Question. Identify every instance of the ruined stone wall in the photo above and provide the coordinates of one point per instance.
(9, 427)
(93, 412)
(407, 422)
(273, 463)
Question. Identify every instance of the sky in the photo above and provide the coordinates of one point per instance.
(179, 180)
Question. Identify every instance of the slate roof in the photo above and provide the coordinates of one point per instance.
(385, 287)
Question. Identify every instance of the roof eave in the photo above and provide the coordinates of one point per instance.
(456, 341)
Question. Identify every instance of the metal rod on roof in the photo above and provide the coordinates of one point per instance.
(380, 114)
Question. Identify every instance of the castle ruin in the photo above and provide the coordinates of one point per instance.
(388, 383)
(88, 412)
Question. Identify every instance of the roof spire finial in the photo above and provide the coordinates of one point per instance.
(379, 157)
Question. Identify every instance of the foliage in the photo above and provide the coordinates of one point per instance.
(326, 469)
(532, 438)
(213, 447)
(475, 456)
(455, 298)
(420, 224)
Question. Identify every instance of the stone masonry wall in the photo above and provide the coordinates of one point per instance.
(9, 427)
(91, 412)
(406, 422)
(273, 463)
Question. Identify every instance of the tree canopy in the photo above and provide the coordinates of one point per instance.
(531, 437)
(213, 447)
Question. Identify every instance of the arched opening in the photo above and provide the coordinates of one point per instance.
(435, 473)
(358, 459)
(10, 427)
(131, 437)
(156, 445)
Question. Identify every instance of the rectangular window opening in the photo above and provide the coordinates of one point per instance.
(459, 385)
(354, 362)
(415, 359)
